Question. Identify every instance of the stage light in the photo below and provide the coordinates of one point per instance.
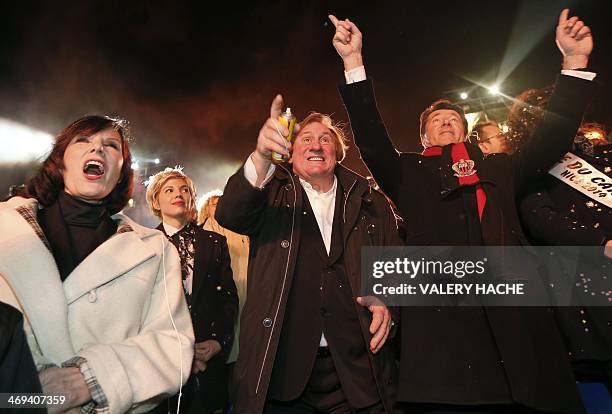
(493, 89)
(463, 95)
(20, 143)
(504, 128)
(472, 119)
(135, 165)
(156, 161)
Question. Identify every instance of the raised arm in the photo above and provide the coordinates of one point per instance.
(369, 131)
(561, 119)
(244, 198)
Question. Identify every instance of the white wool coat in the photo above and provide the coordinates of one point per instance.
(113, 309)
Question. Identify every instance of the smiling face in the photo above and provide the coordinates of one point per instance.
(314, 155)
(92, 165)
(444, 127)
(175, 201)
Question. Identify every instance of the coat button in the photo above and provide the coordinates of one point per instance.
(267, 322)
(288, 187)
(92, 297)
(285, 244)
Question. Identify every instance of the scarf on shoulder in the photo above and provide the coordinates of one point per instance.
(463, 167)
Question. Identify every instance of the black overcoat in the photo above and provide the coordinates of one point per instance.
(446, 353)
(271, 217)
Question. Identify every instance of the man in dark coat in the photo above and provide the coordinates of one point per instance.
(470, 359)
(309, 342)
(209, 289)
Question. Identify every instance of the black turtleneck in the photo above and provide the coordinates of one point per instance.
(74, 228)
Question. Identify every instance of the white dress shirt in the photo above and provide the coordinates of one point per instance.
(322, 203)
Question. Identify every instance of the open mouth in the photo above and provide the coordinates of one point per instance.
(93, 168)
(315, 158)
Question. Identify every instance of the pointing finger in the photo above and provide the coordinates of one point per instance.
(277, 107)
(333, 19)
(563, 16)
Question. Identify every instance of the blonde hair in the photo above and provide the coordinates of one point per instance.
(335, 128)
(156, 182)
(204, 202)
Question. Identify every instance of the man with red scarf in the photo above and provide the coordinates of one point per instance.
(471, 359)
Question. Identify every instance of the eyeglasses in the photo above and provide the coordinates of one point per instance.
(499, 135)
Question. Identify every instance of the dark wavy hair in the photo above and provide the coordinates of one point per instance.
(48, 181)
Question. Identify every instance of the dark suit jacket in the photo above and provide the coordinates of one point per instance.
(272, 217)
(473, 355)
(214, 300)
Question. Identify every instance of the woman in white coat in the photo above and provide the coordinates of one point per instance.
(105, 316)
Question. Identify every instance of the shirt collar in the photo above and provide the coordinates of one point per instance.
(170, 230)
(330, 193)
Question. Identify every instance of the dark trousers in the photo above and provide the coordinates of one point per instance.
(323, 393)
(204, 393)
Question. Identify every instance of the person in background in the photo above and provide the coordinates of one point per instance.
(490, 138)
(208, 286)
(104, 314)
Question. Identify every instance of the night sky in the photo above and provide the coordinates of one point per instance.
(196, 80)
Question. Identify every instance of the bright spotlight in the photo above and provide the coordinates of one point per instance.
(493, 89)
(135, 165)
(156, 160)
(20, 143)
(463, 95)
(472, 119)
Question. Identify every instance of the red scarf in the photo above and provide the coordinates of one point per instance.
(458, 153)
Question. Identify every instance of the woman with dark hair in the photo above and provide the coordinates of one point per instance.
(104, 313)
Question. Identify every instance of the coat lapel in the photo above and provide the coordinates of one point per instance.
(351, 204)
(111, 259)
(309, 217)
(337, 247)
